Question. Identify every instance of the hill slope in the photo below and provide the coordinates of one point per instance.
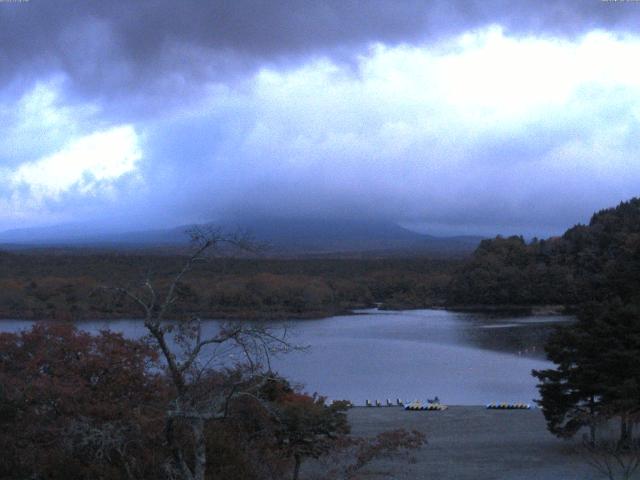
(597, 261)
(285, 236)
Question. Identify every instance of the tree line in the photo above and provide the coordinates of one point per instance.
(68, 286)
(598, 261)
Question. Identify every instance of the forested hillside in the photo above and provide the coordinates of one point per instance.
(597, 261)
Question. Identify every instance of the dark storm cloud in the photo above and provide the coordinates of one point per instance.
(116, 47)
(308, 108)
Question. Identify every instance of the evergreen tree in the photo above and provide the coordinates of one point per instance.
(571, 393)
(597, 375)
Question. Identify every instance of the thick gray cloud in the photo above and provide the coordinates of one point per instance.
(414, 111)
(166, 47)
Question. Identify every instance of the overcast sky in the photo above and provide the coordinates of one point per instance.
(459, 116)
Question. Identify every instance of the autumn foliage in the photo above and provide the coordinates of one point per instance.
(80, 406)
(68, 286)
(75, 405)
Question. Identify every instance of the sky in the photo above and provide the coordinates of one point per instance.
(451, 117)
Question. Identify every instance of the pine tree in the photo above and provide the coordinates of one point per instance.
(597, 375)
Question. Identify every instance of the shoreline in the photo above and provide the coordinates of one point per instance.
(533, 310)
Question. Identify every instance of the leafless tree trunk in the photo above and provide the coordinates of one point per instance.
(182, 346)
(296, 467)
(607, 458)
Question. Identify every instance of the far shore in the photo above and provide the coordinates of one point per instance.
(278, 315)
(233, 316)
(515, 309)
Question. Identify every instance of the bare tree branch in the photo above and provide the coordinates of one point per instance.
(182, 345)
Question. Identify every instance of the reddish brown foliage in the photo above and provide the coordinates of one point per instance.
(76, 405)
(39, 285)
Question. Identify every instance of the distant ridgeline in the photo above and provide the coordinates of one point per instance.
(598, 261)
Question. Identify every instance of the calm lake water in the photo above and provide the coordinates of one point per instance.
(463, 358)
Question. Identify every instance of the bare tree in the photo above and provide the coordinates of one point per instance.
(349, 459)
(189, 353)
(104, 440)
(611, 461)
(611, 457)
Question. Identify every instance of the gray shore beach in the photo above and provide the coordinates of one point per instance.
(473, 443)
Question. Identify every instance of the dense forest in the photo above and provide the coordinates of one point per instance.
(74, 285)
(597, 261)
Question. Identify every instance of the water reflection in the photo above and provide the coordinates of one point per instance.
(525, 336)
(464, 358)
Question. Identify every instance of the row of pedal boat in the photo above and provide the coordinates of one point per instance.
(431, 406)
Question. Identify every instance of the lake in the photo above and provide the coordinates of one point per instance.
(463, 358)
